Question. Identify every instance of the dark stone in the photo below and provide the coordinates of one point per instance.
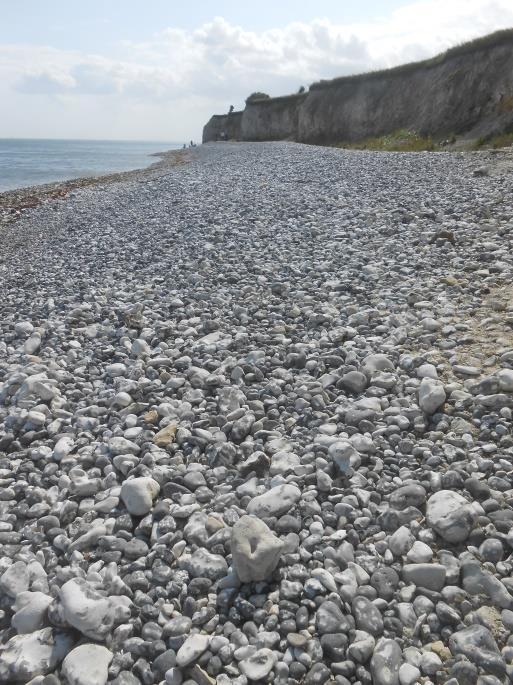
(385, 580)
(330, 619)
(317, 675)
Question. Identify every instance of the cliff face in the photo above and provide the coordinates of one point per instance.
(219, 124)
(466, 91)
(272, 119)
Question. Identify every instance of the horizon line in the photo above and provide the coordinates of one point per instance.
(97, 140)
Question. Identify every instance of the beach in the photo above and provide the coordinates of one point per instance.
(256, 420)
(14, 202)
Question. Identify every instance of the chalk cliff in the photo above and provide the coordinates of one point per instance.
(223, 126)
(466, 91)
(272, 119)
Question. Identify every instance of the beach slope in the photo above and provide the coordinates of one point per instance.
(255, 421)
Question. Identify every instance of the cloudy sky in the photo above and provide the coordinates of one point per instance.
(157, 69)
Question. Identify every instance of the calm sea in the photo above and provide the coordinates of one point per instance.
(26, 162)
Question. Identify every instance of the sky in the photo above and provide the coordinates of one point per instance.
(158, 69)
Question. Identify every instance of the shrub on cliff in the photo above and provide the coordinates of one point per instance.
(257, 96)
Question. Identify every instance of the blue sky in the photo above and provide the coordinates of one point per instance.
(157, 69)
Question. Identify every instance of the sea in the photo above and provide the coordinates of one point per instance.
(28, 162)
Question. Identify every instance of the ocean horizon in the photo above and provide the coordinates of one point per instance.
(35, 161)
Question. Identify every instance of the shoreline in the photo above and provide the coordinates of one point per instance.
(13, 203)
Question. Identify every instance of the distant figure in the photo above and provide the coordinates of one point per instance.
(184, 146)
(231, 109)
(223, 135)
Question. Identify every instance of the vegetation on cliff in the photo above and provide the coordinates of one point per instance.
(398, 141)
(483, 42)
(257, 96)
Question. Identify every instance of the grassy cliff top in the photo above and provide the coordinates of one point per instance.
(505, 36)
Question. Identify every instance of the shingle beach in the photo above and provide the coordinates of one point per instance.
(256, 422)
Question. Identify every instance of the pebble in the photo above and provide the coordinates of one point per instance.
(385, 662)
(15, 579)
(255, 424)
(87, 665)
(30, 611)
(90, 611)
(408, 674)
(138, 495)
(431, 395)
(329, 618)
(401, 541)
(429, 576)
(192, 648)
(278, 500)
(367, 616)
(259, 665)
(26, 656)
(256, 551)
(450, 515)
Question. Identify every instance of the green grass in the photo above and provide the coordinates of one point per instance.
(499, 140)
(398, 141)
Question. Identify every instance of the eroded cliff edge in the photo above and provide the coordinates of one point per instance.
(466, 91)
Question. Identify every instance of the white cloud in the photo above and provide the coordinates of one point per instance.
(169, 86)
